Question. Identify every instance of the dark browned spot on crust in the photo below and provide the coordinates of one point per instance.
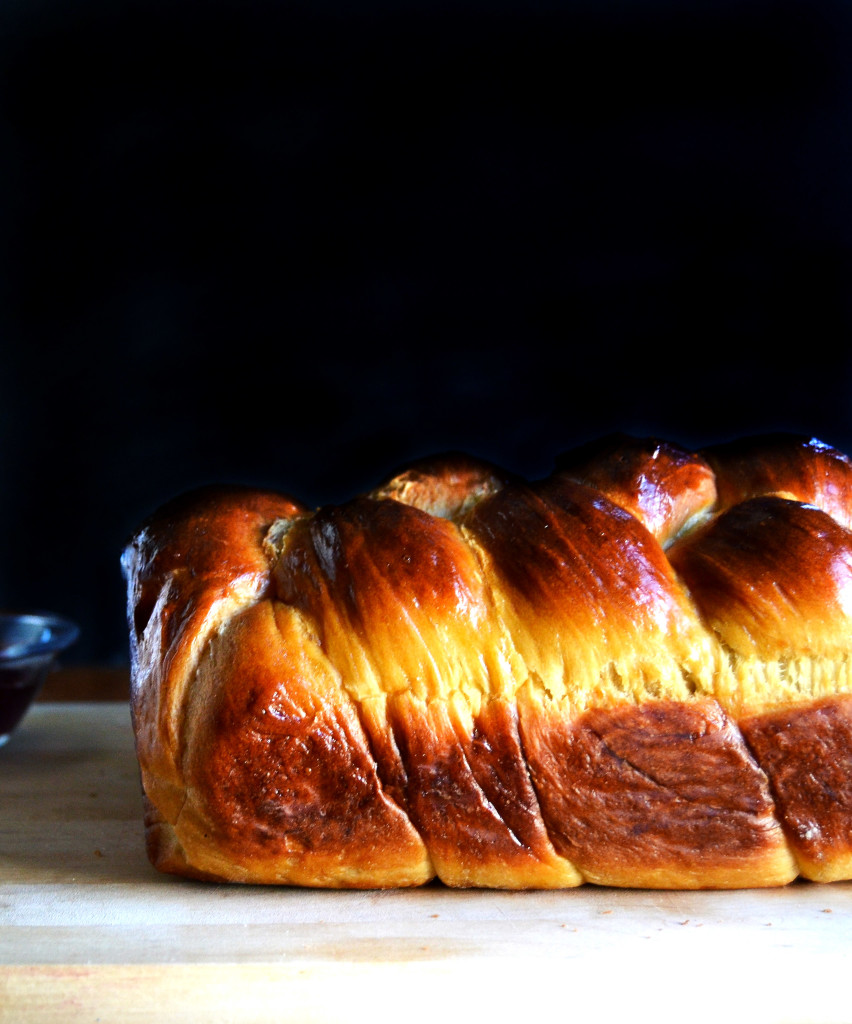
(496, 760)
(807, 755)
(289, 781)
(468, 794)
(636, 787)
(385, 752)
(448, 807)
(284, 768)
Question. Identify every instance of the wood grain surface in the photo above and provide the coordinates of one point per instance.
(90, 932)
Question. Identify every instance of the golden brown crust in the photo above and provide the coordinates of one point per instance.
(662, 484)
(189, 568)
(469, 795)
(804, 469)
(657, 795)
(635, 673)
(589, 600)
(772, 578)
(445, 485)
(805, 753)
(278, 767)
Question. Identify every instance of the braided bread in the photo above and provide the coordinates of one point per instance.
(635, 672)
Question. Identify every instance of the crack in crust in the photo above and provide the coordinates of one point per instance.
(633, 672)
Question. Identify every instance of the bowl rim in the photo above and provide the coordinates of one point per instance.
(63, 632)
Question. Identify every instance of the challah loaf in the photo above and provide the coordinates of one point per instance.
(635, 672)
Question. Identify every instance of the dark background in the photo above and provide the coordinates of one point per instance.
(297, 244)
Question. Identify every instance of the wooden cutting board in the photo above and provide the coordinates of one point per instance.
(89, 932)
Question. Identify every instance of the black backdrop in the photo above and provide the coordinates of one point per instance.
(297, 244)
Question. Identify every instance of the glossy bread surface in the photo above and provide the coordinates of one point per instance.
(633, 673)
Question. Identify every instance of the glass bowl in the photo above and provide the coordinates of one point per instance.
(29, 644)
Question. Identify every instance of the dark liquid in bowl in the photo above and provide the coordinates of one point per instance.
(18, 688)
